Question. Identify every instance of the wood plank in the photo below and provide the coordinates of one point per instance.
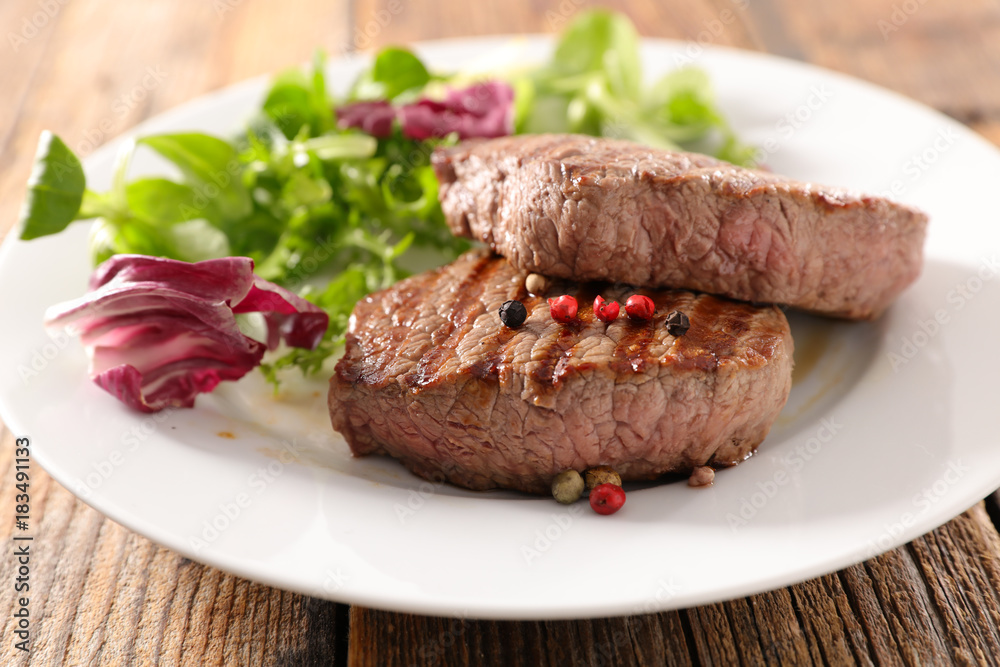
(989, 129)
(28, 31)
(834, 629)
(943, 54)
(867, 610)
(715, 638)
(783, 631)
(964, 586)
(709, 21)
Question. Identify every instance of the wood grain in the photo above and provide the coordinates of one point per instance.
(103, 595)
(943, 54)
(718, 22)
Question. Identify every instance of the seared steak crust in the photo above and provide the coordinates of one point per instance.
(601, 209)
(430, 376)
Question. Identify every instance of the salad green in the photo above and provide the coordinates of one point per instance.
(333, 212)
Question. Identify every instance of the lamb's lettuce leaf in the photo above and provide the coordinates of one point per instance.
(211, 169)
(593, 85)
(394, 72)
(55, 189)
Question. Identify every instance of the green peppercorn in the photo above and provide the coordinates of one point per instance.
(567, 487)
(601, 475)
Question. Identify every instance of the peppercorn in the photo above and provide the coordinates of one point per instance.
(640, 307)
(563, 308)
(536, 284)
(607, 498)
(605, 311)
(701, 476)
(677, 323)
(567, 487)
(601, 475)
(513, 314)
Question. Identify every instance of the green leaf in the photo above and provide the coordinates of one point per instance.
(289, 103)
(342, 146)
(323, 115)
(94, 205)
(735, 151)
(196, 240)
(303, 190)
(684, 97)
(102, 241)
(583, 116)
(342, 292)
(55, 189)
(165, 202)
(395, 71)
(549, 115)
(299, 99)
(131, 236)
(602, 41)
(524, 100)
(254, 236)
(211, 167)
(399, 70)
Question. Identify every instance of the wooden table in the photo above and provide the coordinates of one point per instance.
(103, 595)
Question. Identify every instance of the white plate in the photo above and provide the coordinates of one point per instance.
(872, 450)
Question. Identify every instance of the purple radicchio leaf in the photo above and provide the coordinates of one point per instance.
(160, 331)
(375, 118)
(483, 110)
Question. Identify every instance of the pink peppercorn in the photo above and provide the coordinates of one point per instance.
(640, 307)
(607, 498)
(563, 308)
(605, 311)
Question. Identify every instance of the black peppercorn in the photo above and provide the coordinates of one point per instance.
(677, 323)
(513, 314)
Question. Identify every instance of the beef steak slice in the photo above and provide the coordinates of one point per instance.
(431, 377)
(602, 209)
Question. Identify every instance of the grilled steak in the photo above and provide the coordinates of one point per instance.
(430, 376)
(601, 209)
